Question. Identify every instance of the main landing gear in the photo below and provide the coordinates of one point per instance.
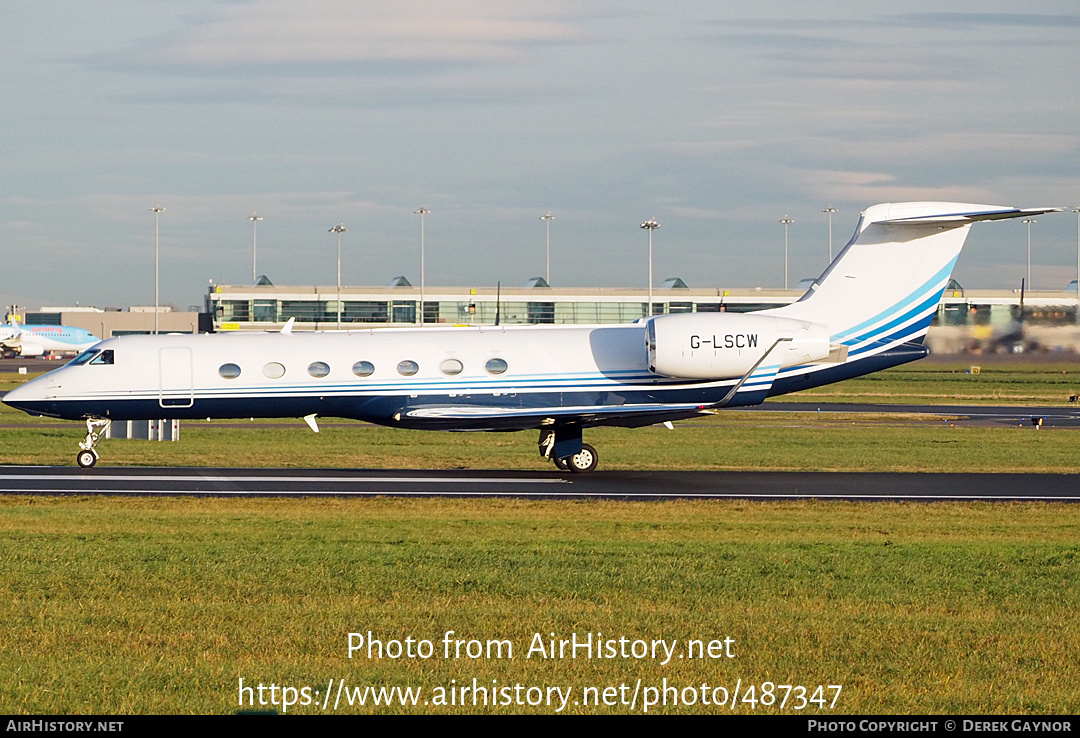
(564, 447)
(95, 431)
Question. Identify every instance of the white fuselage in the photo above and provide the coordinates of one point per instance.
(483, 378)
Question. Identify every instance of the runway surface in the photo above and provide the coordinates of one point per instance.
(598, 485)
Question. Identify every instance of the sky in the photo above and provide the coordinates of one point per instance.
(718, 119)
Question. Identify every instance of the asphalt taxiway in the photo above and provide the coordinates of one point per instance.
(598, 485)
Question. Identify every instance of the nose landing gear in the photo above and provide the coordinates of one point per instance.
(95, 431)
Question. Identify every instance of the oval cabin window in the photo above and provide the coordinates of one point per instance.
(363, 368)
(408, 368)
(451, 367)
(496, 366)
(229, 371)
(318, 369)
(274, 370)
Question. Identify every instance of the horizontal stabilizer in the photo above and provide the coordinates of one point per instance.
(970, 216)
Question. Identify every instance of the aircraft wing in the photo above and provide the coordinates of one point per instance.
(514, 418)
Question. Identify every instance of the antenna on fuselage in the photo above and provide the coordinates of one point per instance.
(498, 300)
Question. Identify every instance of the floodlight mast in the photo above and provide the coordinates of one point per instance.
(1029, 222)
(339, 229)
(547, 261)
(1077, 211)
(254, 218)
(421, 212)
(786, 221)
(830, 210)
(650, 225)
(157, 210)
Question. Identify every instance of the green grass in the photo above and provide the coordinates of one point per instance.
(951, 384)
(120, 606)
(727, 441)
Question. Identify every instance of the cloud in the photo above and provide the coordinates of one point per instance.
(371, 91)
(982, 20)
(808, 56)
(699, 213)
(872, 187)
(1036, 190)
(945, 148)
(198, 209)
(337, 53)
(279, 33)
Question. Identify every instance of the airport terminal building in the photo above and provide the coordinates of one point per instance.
(266, 306)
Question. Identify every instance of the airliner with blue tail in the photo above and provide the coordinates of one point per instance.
(868, 311)
(38, 340)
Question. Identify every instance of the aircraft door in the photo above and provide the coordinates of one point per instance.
(176, 388)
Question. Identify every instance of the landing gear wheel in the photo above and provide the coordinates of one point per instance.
(561, 464)
(583, 462)
(95, 431)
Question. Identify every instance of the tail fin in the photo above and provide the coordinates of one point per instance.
(884, 287)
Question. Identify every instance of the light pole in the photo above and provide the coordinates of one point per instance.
(1028, 222)
(547, 262)
(339, 229)
(421, 212)
(254, 225)
(1077, 211)
(157, 209)
(830, 210)
(786, 221)
(650, 225)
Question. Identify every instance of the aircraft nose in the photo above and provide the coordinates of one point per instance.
(27, 397)
(13, 397)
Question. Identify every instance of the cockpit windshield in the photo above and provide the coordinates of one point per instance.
(84, 357)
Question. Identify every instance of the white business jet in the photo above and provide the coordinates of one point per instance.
(868, 311)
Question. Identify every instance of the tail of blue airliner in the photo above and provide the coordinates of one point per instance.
(884, 287)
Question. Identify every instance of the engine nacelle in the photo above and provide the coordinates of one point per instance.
(30, 349)
(727, 345)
